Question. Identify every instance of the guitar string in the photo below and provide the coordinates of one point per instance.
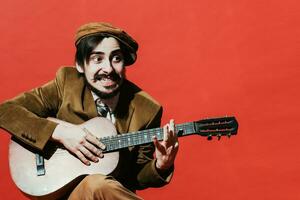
(139, 137)
(145, 136)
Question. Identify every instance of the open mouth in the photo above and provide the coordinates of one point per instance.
(108, 81)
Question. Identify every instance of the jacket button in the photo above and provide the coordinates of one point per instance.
(32, 139)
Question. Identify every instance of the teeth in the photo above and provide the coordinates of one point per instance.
(106, 79)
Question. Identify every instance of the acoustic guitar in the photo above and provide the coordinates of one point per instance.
(52, 173)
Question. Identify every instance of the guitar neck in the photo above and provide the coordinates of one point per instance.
(117, 142)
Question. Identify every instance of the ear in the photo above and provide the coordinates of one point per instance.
(79, 68)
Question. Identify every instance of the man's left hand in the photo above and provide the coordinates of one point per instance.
(167, 149)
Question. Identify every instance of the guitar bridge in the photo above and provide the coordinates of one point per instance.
(40, 165)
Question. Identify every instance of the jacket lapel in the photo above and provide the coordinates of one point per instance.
(89, 106)
(124, 109)
(123, 119)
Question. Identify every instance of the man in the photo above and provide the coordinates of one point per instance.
(96, 87)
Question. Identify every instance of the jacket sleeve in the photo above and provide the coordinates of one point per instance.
(25, 115)
(147, 175)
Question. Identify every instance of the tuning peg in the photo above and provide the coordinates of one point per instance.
(180, 132)
(229, 135)
(209, 137)
(219, 136)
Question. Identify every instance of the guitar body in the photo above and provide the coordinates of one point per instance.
(62, 169)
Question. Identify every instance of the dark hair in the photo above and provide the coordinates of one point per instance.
(86, 45)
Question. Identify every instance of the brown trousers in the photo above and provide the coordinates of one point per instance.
(100, 187)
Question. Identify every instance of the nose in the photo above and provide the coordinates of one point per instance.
(106, 66)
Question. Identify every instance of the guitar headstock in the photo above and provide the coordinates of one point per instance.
(221, 126)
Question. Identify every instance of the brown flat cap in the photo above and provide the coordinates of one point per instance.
(106, 29)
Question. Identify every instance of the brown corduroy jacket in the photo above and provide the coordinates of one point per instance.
(69, 99)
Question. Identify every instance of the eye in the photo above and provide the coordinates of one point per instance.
(117, 58)
(96, 59)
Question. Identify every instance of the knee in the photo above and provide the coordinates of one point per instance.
(98, 184)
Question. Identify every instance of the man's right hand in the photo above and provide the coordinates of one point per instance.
(80, 142)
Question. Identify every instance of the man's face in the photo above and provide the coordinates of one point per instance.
(104, 70)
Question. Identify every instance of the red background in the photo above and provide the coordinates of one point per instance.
(199, 59)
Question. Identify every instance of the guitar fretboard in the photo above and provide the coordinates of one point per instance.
(117, 142)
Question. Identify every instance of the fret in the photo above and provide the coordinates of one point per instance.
(125, 142)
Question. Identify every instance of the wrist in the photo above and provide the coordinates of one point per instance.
(162, 167)
(56, 135)
(163, 172)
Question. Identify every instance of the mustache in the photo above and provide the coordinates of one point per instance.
(113, 76)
